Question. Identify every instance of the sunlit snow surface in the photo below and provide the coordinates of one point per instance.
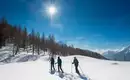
(38, 69)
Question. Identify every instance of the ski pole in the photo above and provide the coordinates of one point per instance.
(72, 70)
(71, 67)
(81, 69)
(83, 73)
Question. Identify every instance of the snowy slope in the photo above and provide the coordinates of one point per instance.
(6, 55)
(26, 66)
(39, 70)
(5, 52)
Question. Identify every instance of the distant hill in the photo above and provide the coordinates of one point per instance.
(89, 53)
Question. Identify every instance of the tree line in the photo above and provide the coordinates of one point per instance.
(20, 38)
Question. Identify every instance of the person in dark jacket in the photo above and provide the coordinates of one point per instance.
(59, 61)
(76, 63)
(52, 63)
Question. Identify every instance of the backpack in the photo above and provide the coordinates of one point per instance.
(59, 61)
(76, 61)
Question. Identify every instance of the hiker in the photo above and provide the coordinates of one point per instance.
(52, 63)
(59, 61)
(76, 63)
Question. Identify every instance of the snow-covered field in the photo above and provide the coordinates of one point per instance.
(38, 69)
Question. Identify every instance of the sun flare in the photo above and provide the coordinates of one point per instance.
(52, 10)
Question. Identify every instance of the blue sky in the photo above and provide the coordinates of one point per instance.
(97, 25)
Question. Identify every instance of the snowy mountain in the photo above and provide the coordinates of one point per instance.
(110, 54)
(123, 55)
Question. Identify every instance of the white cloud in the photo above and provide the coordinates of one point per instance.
(80, 38)
(101, 51)
(23, 1)
(57, 26)
(97, 35)
(78, 44)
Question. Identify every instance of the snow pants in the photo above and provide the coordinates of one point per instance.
(76, 69)
(60, 68)
(52, 67)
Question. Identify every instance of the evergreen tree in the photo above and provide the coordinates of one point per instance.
(24, 36)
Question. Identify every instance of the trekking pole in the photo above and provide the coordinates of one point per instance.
(84, 74)
(81, 69)
(71, 67)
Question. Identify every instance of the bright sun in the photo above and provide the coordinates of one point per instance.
(52, 10)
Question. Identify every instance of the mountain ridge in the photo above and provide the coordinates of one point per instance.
(123, 55)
